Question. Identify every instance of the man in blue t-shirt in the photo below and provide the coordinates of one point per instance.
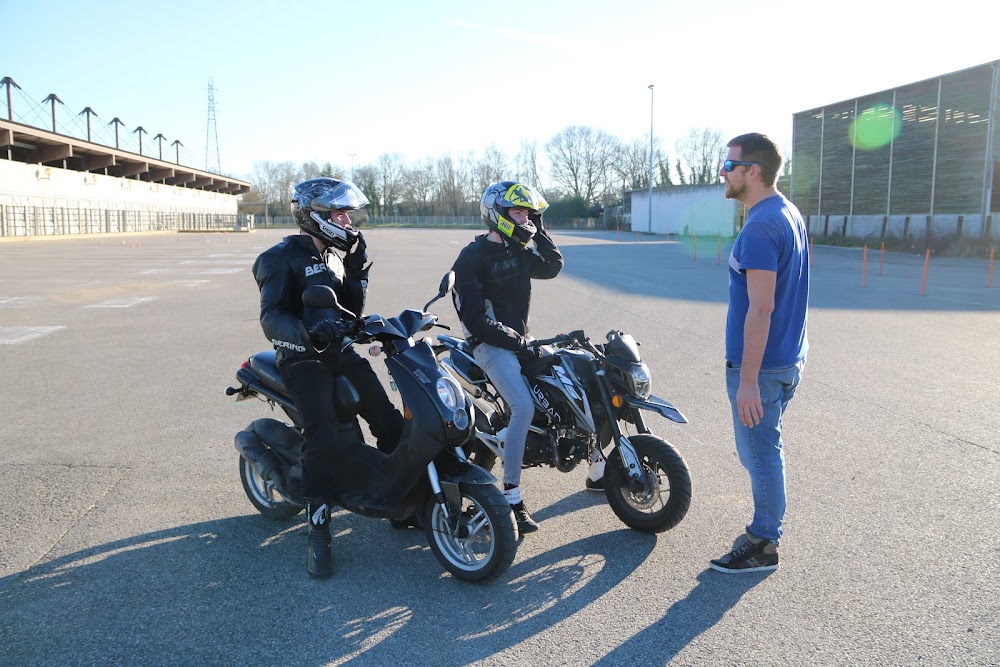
(766, 339)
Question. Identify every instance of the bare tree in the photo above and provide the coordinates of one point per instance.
(700, 154)
(450, 195)
(273, 182)
(491, 168)
(311, 170)
(580, 159)
(390, 173)
(632, 164)
(368, 181)
(418, 187)
(526, 165)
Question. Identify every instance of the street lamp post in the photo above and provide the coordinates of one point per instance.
(649, 217)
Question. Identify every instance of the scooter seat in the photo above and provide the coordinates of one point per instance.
(266, 367)
(465, 364)
(346, 399)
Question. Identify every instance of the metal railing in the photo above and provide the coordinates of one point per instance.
(18, 221)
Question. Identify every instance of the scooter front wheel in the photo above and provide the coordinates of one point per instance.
(479, 545)
(264, 496)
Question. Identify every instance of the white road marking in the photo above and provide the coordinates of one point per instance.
(15, 335)
(17, 301)
(125, 302)
(187, 283)
(187, 272)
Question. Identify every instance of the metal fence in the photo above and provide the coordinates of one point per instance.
(56, 221)
(424, 220)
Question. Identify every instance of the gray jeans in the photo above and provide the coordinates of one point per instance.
(504, 371)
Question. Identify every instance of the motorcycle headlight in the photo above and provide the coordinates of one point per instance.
(641, 379)
(450, 393)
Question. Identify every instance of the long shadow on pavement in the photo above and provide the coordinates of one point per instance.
(234, 591)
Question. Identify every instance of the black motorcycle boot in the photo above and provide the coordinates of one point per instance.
(525, 524)
(320, 562)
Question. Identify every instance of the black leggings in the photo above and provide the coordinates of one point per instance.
(311, 385)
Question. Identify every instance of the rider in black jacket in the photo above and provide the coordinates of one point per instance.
(308, 342)
(492, 296)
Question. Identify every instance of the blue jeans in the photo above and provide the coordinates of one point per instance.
(504, 371)
(761, 448)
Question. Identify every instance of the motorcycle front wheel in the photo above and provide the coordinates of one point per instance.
(484, 540)
(661, 497)
(264, 496)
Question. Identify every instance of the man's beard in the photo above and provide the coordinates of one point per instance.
(732, 192)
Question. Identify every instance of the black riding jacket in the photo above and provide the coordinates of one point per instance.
(284, 271)
(493, 287)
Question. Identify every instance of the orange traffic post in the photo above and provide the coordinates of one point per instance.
(923, 283)
(618, 236)
(990, 283)
(719, 260)
(696, 247)
(881, 258)
(810, 252)
(864, 267)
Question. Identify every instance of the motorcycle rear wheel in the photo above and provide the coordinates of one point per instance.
(485, 541)
(662, 498)
(264, 496)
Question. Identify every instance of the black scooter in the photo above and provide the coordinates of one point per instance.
(468, 522)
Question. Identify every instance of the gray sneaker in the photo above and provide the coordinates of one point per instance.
(752, 554)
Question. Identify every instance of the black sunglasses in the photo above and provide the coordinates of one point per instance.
(728, 165)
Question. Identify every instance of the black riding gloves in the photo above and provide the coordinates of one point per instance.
(527, 352)
(326, 332)
(357, 256)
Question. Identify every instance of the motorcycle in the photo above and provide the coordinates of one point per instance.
(468, 522)
(581, 392)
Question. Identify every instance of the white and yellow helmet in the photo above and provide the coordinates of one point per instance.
(499, 198)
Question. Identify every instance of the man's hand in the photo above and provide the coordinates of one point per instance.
(527, 352)
(748, 404)
(328, 331)
(357, 255)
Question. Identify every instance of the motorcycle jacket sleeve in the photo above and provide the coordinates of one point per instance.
(354, 292)
(280, 305)
(547, 262)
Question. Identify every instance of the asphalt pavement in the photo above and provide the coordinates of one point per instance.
(126, 537)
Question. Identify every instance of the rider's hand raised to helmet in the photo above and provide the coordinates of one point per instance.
(357, 255)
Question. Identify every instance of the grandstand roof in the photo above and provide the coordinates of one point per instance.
(23, 143)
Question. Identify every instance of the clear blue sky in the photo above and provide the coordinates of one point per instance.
(322, 80)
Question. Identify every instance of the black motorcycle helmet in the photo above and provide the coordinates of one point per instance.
(312, 203)
(496, 203)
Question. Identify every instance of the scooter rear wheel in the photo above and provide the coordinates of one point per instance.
(264, 496)
(483, 544)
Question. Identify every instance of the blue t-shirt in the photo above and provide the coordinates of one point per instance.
(774, 238)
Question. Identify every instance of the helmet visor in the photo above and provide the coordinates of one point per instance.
(525, 197)
(343, 196)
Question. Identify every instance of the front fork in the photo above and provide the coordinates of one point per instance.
(630, 459)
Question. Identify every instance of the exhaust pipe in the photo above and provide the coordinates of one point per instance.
(252, 448)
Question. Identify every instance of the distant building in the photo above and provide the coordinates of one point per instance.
(920, 160)
(53, 184)
(685, 210)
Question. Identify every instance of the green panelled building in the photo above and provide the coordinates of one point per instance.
(917, 161)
